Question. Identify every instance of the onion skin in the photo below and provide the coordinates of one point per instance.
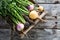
(30, 7)
(20, 27)
(33, 14)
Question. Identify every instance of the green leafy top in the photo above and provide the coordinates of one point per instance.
(3, 6)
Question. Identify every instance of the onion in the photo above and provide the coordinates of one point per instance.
(33, 14)
(30, 7)
(20, 26)
(40, 8)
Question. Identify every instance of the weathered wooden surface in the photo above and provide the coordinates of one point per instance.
(47, 1)
(5, 34)
(50, 30)
(37, 34)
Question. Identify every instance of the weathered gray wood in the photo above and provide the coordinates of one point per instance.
(48, 24)
(37, 34)
(46, 1)
(5, 34)
(58, 22)
(4, 24)
(50, 18)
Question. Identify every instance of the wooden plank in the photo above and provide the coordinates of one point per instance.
(4, 24)
(5, 34)
(58, 22)
(47, 1)
(37, 34)
(48, 24)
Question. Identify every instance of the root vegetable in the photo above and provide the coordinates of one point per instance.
(20, 26)
(30, 7)
(40, 8)
(27, 24)
(33, 14)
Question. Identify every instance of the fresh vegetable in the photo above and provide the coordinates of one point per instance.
(40, 8)
(30, 7)
(15, 9)
(20, 26)
(24, 3)
(21, 10)
(33, 14)
(27, 24)
(16, 14)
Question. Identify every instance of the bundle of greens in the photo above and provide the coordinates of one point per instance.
(15, 9)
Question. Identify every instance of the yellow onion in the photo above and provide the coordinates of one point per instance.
(33, 14)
